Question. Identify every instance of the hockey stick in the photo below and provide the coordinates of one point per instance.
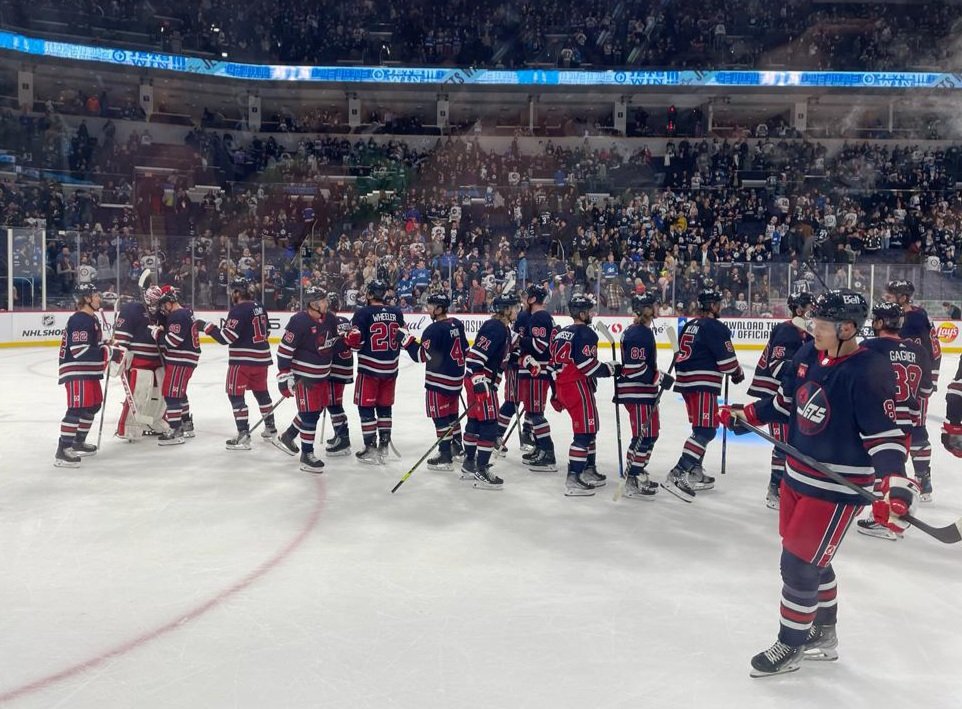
(811, 266)
(103, 406)
(606, 333)
(950, 534)
(724, 457)
(323, 425)
(447, 434)
(514, 425)
(264, 418)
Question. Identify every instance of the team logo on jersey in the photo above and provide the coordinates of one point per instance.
(812, 409)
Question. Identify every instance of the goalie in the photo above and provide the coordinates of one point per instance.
(140, 369)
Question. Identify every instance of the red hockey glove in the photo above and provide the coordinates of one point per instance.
(531, 364)
(739, 376)
(900, 496)
(207, 327)
(353, 339)
(407, 339)
(729, 417)
(481, 388)
(952, 438)
(285, 384)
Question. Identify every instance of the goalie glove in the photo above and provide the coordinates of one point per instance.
(285, 384)
(900, 496)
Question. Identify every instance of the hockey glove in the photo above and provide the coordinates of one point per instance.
(608, 369)
(665, 381)
(285, 384)
(739, 376)
(353, 339)
(343, 328)
(532, 365)
(481, 389)
(407, 339)
(731, 416)
(156, 332)
(952, 438)
(900, 496)
(207, 327)
(556, 404)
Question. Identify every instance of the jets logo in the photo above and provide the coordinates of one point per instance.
(812, 409)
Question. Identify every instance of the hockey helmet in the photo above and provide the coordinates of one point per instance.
(168, 294)
(800, 300)
(842, 305)
(536, 291)
(580, 303)
(242, 286)
(152, 296)
(504, 301)
(84, 291)
(312, 294)
(439, 300)
(889, 313)
(377, 289)
(640, 301)
(900, 286)
(708, 296)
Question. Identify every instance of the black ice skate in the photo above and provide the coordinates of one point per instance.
(543, 461)
(925, 487)
(338, 446)
(285, 442)
(772, 499)
(65, 457)
(370, 455)
(677, 484)
(442, 461)
(594, 477)
(870, 528)
(484, 479)
(577, 486)
(187, 425)
(173, 437)
(821, 643)
(270, 428)
(310, 463)
(698, 480)
(468, 469)
(776, 660)
(240, 442)
(527, 439)
(640, 487)
(82, 449)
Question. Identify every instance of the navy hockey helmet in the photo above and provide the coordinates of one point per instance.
(641, 301)
(377, 289)
(439, 300)
(800, 300)
(243, 286)
(900, 286)
(842, 305)
(708, 296)
(580, 303)
(536, 291)
(312, 294)
(85, 290)
(504, 301)
(889, 313)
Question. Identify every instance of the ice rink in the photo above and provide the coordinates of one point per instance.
(194, 576)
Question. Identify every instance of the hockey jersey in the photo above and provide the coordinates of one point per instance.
(917, 326)
(705, 355)
(841, 412)
(783, 343)
(638, 383)
(245, 333)
(911, 365)
(490, 351)
(342, 356)
(953, 398)
(306, 346)
(180, 343)
(132, 333)
(443, 348)
(380, 340)
(574, 355)
(535, 341)
(82, 354)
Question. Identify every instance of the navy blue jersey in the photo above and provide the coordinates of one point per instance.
(917, 326)
(380, 340)
(574, 355)
(953, 398)
(911, 365)
(245, 333)
(783, 343)
(306, 346)
(840, 412)
(342, 356)
(490, 351)
(705, 355)
(443, 348)
(180, 343)
(535, 341)
(82, 354)
(519, 330)
(638, 383)
(132, 333)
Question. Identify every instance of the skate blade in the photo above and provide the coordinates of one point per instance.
(309, 469)
(640, 495)
(820, 655)
(679, 493)
(787, 670)
(441, 468)
(267, 435)
(599, 483)
(83, 454)
(66, 464)
(543, 468)
(772, 505)
(925, 498)
(879, 534)
(578, 492)
(699, 487)
(367, 461)
(477, 485)
(237, 448)
(276, 442)
(337, 454)
(172, 442)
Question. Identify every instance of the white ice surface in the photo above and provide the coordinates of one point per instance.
(194, 576)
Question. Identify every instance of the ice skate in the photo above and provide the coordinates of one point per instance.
(779, 659)
(821, 643)
(640, 487)
(270, 429)
(484, 479)
(338, 446)
(187, 426)
(500, 449)
(457, 449)
(542, 462)
(240, 442)
(870, 528)
(370, 455)
(310, 463)
(285, 442)
(772, 497)
(577, 486)
(173, 437)
(925, 487)
(527, 440)
(677, 484)
(698, 480)
(594, 477)
(528, 456)
(83, 449)
(442, 462)
(65, 457)
(468, 469)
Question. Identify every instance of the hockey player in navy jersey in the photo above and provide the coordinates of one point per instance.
(442, 348)
(575, 365)
(179, 341)
(705, 357)
(141, 370)
(952, 427)
(342, 373)
(484, 364)
(83, 357)
(245, 333)
(303, 365)
(917, 326)
(911, 364)
(509, 407)
(838, 399)
(783, 343)
(637, 389)
(377, 336)
(534, 377)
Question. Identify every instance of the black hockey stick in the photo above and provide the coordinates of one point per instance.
(724, 460)
(514, 425)
(264, 417)
(606, 333)
(811, 266)
(447, 434)
(950, 534)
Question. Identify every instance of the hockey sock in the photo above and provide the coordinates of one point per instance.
(695, 446)
(338, 419)
(592, 449)
(308, 427)
(487, 432)
(384, 423)
(827, 597)
(368, 424)
(174, 413)
(239, 407)
(441, 425)
(578, 453)
(921, 451)
(85, 421)
(68, 426)
(542, 432)
(264, 405)
(504, 417)
(470, 439)
(800, 584)
(185, 410)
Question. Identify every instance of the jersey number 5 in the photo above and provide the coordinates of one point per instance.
(684, 347)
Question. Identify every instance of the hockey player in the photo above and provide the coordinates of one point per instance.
(917, 326)
(783, 343)
(377, 337)
(509, 407)
(245, 333)
(705, 356)
(442, 348)
(910, 364)
(342, 373)
(83, 357)
(838, 399)
(179, 342)
(303, 365)
(575, 364)
(483, 366)
(141, 370)
(534, 377)
(952, 427)
(637, 388)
